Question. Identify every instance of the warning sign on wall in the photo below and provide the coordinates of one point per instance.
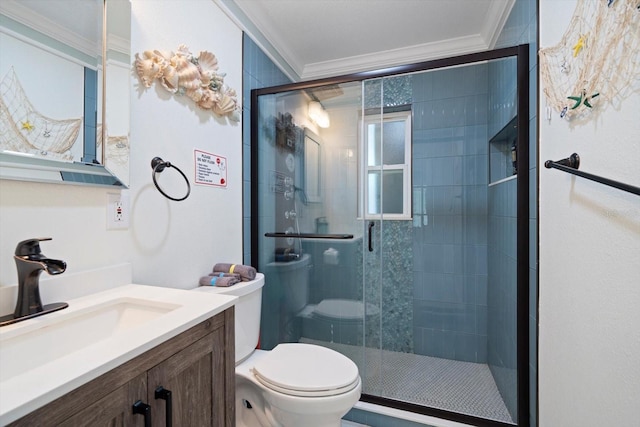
(210, 169)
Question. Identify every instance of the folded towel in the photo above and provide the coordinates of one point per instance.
(246, 272)
(220, 279)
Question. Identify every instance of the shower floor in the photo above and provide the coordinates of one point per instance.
(451, 385)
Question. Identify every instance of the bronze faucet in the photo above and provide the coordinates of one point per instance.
(30, 263)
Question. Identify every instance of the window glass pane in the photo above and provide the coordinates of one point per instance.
(373, 192)
(393, 194)
(373, 144)
(393, 137)
(392, 188)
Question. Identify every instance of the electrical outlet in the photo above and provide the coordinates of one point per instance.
(118, 210)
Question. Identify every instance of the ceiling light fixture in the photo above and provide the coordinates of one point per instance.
(318, 114)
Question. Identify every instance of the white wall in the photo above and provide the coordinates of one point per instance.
(177, 242)
(168, 243)
(589, 315)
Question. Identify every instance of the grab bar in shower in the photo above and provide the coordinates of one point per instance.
(310, 236)
(571, 165)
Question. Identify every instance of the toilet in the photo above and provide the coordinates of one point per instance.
(292, 385)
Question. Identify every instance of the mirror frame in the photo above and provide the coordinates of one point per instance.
(23, 167)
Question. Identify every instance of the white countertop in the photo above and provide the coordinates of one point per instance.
(47, 380)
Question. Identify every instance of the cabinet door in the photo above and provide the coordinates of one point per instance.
(115, 409)
(194, 376)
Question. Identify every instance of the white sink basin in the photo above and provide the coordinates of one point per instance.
(46, 357)
(57, 336)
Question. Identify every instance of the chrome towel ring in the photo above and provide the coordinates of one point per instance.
(158, 165)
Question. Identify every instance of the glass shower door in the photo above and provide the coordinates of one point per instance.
(310, 234)
(389, 230)
(386, 208)
(442, 272)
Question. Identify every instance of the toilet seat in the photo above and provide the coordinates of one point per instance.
(306, 370)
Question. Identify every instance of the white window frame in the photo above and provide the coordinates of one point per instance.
(404, 168)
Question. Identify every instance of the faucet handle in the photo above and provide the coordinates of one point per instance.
(30, 248)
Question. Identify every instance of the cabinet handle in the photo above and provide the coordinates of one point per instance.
(164, 394)
(143, 409)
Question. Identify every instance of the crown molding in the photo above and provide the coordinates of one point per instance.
(394, 57)
(496, 19)
(233, 11)
(277, 50)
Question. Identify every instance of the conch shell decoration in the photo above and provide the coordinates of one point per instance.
(181, 73)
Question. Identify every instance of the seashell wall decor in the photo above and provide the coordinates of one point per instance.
(197, 77)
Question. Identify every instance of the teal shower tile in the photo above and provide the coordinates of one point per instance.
(433, 258)
(246, 198)
(433, 287)
(465, 347)
(452, 229)
(465, 319)
(533, 292)
(447, 338)
(470, 290)
(418, 284)
(433, 232)
(533, 350)
(420, 171)
(481, 320)
(533, 144)
(533, 233)
(533, 92)
(533, 194)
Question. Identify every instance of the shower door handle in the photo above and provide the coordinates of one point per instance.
(371, 225)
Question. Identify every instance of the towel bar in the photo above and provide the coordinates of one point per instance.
(571, 165)
(310, 236)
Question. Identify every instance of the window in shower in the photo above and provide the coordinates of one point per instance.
(386, 177)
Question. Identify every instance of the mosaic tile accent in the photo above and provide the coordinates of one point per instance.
(389, 285)
(397, 91)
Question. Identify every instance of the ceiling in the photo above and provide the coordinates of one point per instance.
(312, 39)
(76, 23)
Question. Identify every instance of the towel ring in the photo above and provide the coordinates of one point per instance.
(158, 165)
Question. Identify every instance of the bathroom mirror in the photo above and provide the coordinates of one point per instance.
(311, 166)
(64, 111)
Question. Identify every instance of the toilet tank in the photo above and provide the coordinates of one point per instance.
(247, 312)
(292, 280)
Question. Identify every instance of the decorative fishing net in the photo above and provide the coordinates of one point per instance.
(597, 60)
(24, 129)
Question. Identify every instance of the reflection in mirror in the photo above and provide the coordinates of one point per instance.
(311, 170)
(51, 111)
(116, 90)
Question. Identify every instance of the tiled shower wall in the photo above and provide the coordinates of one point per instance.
(502, 237)
(450, 213)
(521, 28)
(258, 71)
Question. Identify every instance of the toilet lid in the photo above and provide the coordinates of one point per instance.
(306, 370)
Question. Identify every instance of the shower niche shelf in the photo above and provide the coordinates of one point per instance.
(502, 153)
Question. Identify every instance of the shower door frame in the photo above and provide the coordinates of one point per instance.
(521, 53)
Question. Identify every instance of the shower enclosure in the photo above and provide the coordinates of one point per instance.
(390, 220)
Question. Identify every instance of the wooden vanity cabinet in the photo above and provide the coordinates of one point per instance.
(197, 367)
